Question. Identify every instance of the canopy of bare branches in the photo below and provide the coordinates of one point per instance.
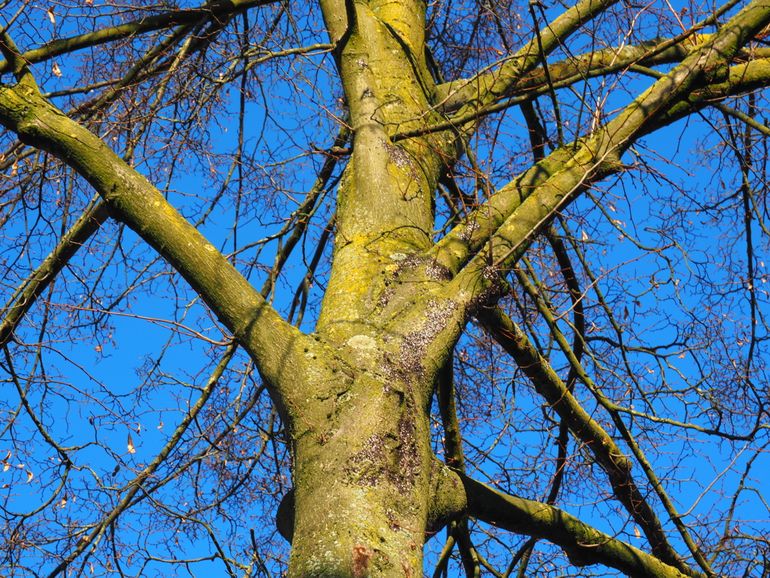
(380, 288)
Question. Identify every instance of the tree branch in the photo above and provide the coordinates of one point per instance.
(136, 202)
(483, 89)
(34, 285)
(210, 10)
(508, 221)
(583, 544)
(617, 466)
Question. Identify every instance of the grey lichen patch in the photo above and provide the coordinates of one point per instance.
(388, 458)
(470, 227)
(400, 158)
(364, 350)
(409, 262)
(385, 297)
(437, 272)
(422, 265)
(495, 288)
(368, 466)
(415, 345)
(409, 462)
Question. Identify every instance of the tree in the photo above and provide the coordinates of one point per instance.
(534, 346)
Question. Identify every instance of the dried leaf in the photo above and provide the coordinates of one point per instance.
(130, 445)
(56, 70)
(51, 15)
(30, 475)
(637, 533)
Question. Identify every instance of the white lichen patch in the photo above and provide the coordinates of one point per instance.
(362, 342)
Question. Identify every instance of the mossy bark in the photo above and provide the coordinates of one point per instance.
(366, 483)
(361, 486)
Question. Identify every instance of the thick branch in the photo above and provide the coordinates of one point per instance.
(385, 198)
(583, 544)
(136, 202)
(583, 426)
(510, 219)
(741, 78)
(504, 80)
(484, 89)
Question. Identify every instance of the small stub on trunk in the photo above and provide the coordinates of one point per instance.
(362, 555)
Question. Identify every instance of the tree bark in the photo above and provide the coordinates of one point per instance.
(362, 487)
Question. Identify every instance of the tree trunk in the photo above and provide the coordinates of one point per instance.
(362, 484)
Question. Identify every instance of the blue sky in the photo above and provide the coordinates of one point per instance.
(106, 380)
